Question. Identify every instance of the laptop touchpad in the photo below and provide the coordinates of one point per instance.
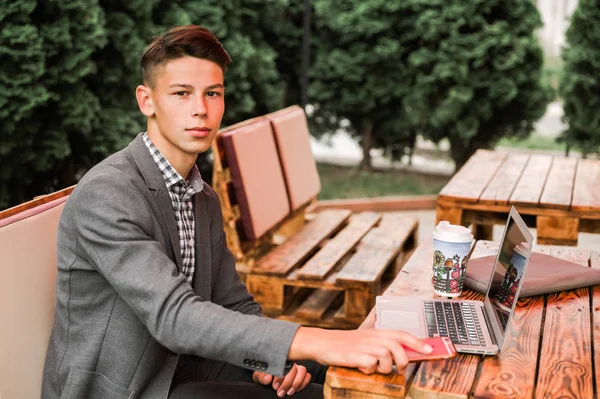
(399, 319)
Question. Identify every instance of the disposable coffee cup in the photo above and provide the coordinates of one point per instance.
(506, 295)
(451, 248)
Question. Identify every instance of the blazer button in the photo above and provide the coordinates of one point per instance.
(246, 362)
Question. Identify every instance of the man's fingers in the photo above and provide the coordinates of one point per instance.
(366, 363)
(415, 343)
(262, 378)
(277, 382)
(298, 380)
(306, 381)
(286, 384)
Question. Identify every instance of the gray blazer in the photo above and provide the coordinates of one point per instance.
(124, 312)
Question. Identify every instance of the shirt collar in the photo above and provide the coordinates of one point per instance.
(169, 173)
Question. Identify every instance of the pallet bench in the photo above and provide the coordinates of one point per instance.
(320, 269)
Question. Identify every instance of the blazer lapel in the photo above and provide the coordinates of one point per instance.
(202, 276)
(163, 199)
(156, 183)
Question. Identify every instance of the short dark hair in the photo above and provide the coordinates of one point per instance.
(188, 40)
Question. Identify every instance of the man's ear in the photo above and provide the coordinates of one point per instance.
(144, 99)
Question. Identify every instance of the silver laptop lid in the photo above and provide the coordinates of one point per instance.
(508, 274)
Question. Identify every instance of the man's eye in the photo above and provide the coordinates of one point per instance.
(181, 93)
(213, 94)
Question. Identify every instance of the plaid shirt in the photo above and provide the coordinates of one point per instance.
(181, 192)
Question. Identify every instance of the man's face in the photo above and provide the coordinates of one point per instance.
(187, 104)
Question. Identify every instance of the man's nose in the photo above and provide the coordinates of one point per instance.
(198, 106)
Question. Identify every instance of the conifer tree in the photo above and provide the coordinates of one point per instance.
(580, 79)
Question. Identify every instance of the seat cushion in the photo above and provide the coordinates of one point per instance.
(27, 286)
(257, 177)
(297, 161)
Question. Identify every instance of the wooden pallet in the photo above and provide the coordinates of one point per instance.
(329, 273)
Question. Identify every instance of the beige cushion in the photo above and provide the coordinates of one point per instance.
(27, 285)
(256, 176)
(297, 161)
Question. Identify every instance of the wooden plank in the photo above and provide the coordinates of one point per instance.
(359, 301)
(342, 393)
(393, 231)
(580, 256)
(448, 212)
(503, 183)
(315, 306)
(350, 380)
(595, 292)
(531, 184)
(558, 190)
(282, 259)
(451, 378)
(586, 196)
(595, 260)
(557, 230)
(366, 265)
(331, 254)
(414, 279)
(485, 248)
(472, 179)
(267, 291)
(565, 366)
(511, 374)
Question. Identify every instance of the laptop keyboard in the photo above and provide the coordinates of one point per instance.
(455, 320)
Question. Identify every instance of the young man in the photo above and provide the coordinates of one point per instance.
(149, 304)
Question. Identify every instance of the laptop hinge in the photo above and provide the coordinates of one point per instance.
(489, 326)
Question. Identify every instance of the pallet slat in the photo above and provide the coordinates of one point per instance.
(531, 184)
(558, 189)
(470, 181)
(367, 266)
(315, 306)
(282, 259)
(504, 181)
(331, 254)
(363, 256)
(586, 196)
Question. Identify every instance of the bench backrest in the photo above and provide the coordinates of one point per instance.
(27, 287)
(257, 177)
(297, 162)
(265, 174)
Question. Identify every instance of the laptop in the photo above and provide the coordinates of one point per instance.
(473, 326)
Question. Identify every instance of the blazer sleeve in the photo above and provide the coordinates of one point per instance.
(113, 227)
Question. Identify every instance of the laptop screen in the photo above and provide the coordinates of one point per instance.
(509, 274)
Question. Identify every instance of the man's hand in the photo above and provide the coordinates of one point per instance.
(367, 349)
(294, 381)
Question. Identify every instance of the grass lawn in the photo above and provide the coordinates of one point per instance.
(340, 182)
(534, 141)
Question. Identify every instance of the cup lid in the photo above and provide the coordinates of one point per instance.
(522, 248)
(445, 231)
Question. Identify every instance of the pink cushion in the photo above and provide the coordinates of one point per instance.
(256, 176)
(27, 280)
(299, 166)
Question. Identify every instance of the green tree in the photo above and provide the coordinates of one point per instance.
(69, 74)
(358, 75)
(45, 103)
(474, 71)
(469, 71)
(580, 79)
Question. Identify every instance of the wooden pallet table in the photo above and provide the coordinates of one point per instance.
(329, 273)
(549, 349)
(557, 195)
